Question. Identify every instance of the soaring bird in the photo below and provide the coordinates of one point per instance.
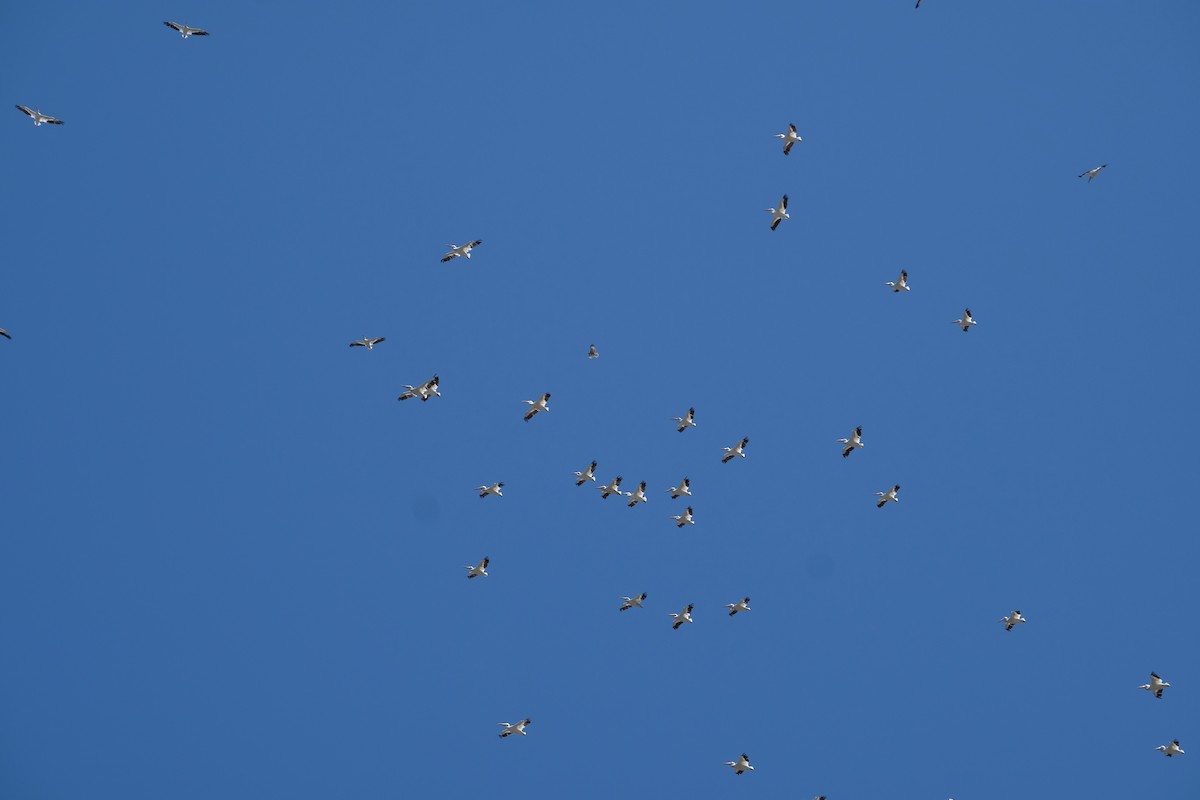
(367, 343)
(1155, 686)
(966, 322)
(854, 441)
(789, 138)
(425, 391)
(39, 117)
(4, 333)
(686, 422)
(612, 488)
(586, 475)
(734, 608)
(682, 617)
(495, 488)
(593, 352)
(185, 30)
(684, 488)
(1012, 620)
(684, 519)
(741, 765)
(638, 495)
(461, 250)
(538, 405)
(779, 214)
(890, 494)
(518, 727)
(1091, 173)
(737, 450)
(632, 602)
(1172, 749)
(900, 285)
(478, 570)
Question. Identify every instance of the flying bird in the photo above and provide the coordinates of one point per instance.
(633, 602)
(1155, 686)
(854, 441)
(1172, 749)
(425, 391)
(741, 765)
(367, 343)
(593, 352)
(495, 488)
(890, 494)
(612, 488)
(39, 117)
(684, 519)
(461, 250)
(478, 570)
(734, 608)
(779, 214)
(686, 422)
(638, 495)
(684, 488)
(737, 450)
(900, 285)
(518, 727)
(1091, 173)
(588, 474)
(538, 405)
(966, 322)
(185, 30)
(682, 617)
(789, 138)
(1012, 620)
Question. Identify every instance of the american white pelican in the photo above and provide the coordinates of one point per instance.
(612, 488)
(789, 138)
(4, 333)
(854, 441)
(478, 570)
(1012, 620)
(684, 519)
(734, 608)
(538, 405)
(461, 250)
(588, 474)
(737, 450)
(638, 495)
(1091, 173)
(495, 488)
(890, 494)
(593, 352)
(966, 322)
(1171, 749)
(779, 214)
(425, 391)
(185, 30)
(367, 343)
(901, 284)
(684, 488)
(39, 117)
(631, 602)
(518, 727)
(1155, 686)
(741, 765)
(682, 617)
(686, 422)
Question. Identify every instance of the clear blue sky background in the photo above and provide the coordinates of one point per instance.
(231, 562)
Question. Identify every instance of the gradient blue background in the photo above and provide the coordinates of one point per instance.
(231, 562)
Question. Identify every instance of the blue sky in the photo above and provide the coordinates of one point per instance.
(231, 562)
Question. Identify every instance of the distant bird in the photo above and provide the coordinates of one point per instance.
(900, 285)
(854, 441)
(538, 405)
(686, 422)
(518, 727)
(588, 474)
(1012, 620)
(684, 519)
(633, 602)
(1155, 686)
(4, 333)
(966, 322)
(39, 117)
(461, 250)
(479, 570)
(593, 352)
(789, 138)
(367, 343)
(425, 391)
(737, 450)
(1172, 749)
(185, 30)
(734, 608)
(779, 214)
(682, 617)
(890, 494)
(1091, 173)
(495, 488)
(918, 4)
(612, 488)
(684, 488)
(741, 765)
(638, 495)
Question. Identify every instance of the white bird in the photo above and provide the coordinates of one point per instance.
(1172, 749)
(890, 494)
(1091, 173)
(737, 450)
(588, 474)
(779, 214)
(612, 488)
(4, 333)
(682, 617)
(631, 602)
(461, 250)
(734, 608)
(684, 519)
(185, 30)
(495, 488)
(367, 343)
(478, 570)
(39, 117)
(789, 138)
(741, 765)
(425, 391)
(638, 495)
(593, 352)
(900, 285)
(966, 322)
(538, 405)
(686, 422)
(1012, 620)
(1155, 686)
(854, 441)
(684, 488)
(518, 727)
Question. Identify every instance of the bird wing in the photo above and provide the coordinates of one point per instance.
(792, 128)
(4, 333)
(787, 148)
(28, 111)
(198, 32)
(783, 204)
(358, 344)
(449, 256)
(174, 25)
(52, 120)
